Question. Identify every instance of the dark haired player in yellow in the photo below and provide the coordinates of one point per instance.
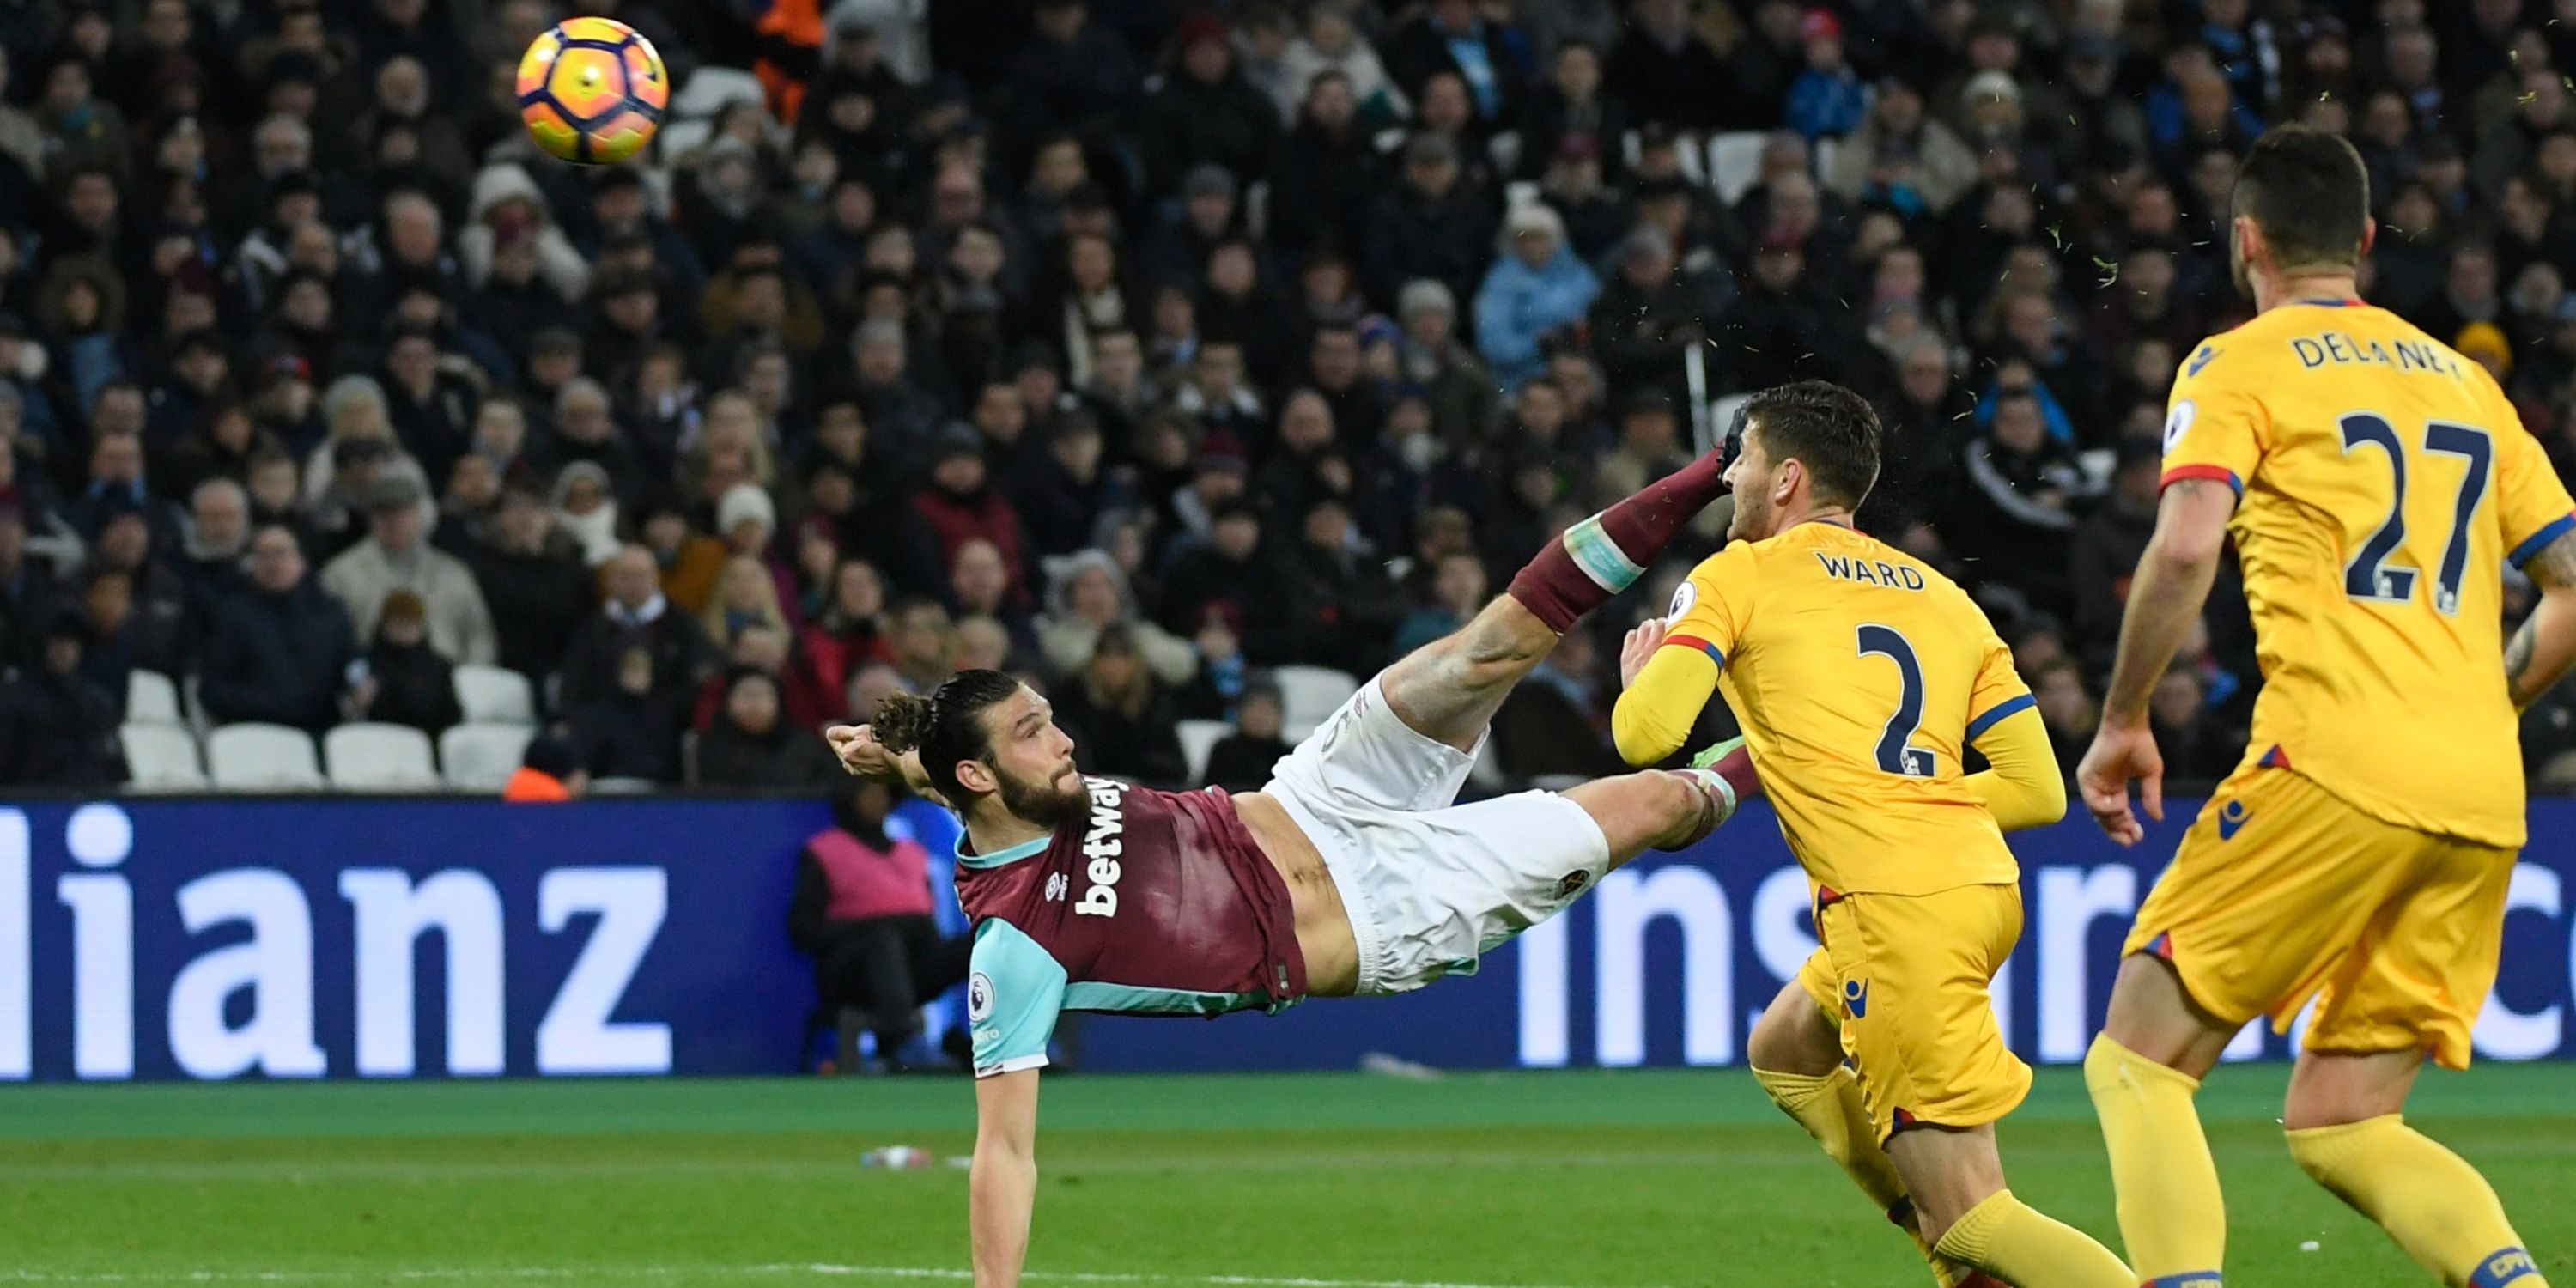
(1861, 679)
(2377, 484)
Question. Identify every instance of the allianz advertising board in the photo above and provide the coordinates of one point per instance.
(212, 939)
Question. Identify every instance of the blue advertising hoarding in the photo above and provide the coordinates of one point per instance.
(204, 939)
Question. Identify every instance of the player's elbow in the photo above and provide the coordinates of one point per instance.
(1636, 735)
(2186, 549)
(2048, 799)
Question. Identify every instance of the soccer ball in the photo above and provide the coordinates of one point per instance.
(592, 90)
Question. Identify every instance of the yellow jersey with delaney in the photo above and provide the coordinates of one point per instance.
(1860, 676)
(2384, 483)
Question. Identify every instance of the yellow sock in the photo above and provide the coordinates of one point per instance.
(2171, 1216)
(2429, 1199)
(1832, 1111)
(2020, 1245)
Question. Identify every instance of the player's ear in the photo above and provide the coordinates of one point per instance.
(2369, 234)
(977, 777)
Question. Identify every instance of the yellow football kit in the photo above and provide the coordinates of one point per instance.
(2364, 846)
(1860, 678)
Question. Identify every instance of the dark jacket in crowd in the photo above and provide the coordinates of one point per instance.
(1142, 747)
(538, 601)
(1322, 187)
(57, 730)
(1252, 593)
(1242, 763)
(283, 659)
(2106, 552)
(1190, 123)
(682, 655)
(787, 758)
(628, 735)
(414, 686)
(1411, 234)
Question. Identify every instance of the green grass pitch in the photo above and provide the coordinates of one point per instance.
(1585, 1180)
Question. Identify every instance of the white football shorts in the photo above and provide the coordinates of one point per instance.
(1431, 885)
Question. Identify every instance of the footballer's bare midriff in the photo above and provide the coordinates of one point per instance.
(1323, 925)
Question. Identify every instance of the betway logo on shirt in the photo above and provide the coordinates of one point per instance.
(1101, 846)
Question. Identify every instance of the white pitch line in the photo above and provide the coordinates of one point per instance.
(818, 1268)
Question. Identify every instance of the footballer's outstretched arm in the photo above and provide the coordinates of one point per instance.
(2544, 648)
(2022, 785)
(1003, 1185)
(2165, 598)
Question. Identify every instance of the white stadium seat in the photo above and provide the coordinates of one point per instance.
(495, 695)
(1735, 162)
(1309, 694)
(1198, 738)
(371, 757)
(161, 757)
(623, 787)
(481, 757)
(1721, 417)
(259, 757)
(151, 698)
(710, 90)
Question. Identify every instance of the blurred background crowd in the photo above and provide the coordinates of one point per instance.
(1141, 346)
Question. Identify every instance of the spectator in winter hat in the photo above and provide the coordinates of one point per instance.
(585, 506)
(1827, 100)
(1088, 594)
(396, 555)
(747, 522)
(958, 505)
(1535, 287)
(1205, 113)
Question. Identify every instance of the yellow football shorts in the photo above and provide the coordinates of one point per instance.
(2281, 892)
(1909, 983)
(1816, 980)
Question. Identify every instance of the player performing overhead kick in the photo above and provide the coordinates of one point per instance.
(2376, 484)
(1861, 678)
(1353, 873)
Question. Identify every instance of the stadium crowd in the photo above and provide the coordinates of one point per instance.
(1138, 345)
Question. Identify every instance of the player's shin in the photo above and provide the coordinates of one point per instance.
(1605, 554)
(2171, 1216)
(1832, 1111)
(2022, 1246)
(2436, 1206)
(1710, 802)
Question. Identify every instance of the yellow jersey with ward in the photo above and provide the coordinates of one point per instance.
(2384, 483)
(1860, 676)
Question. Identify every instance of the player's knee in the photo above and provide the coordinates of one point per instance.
(1792, 1036)
(1678, 802)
